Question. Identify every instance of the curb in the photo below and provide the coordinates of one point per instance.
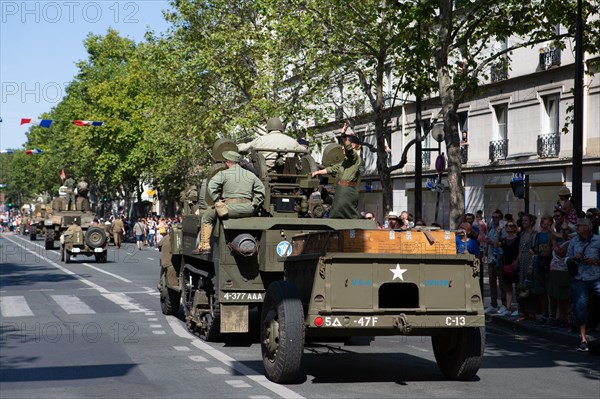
(556, 334)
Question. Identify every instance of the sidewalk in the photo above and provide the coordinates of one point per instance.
(560, 335)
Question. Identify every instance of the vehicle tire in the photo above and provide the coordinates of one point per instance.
(32, 233)
(62, 254)
(210, 329)
(67, 256)
(282, 332)
(95, 237)
(49, 240)
(459, 351)
(169, 298)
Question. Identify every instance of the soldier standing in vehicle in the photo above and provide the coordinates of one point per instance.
(274, 139)
(118, 230)
(345, 200)
(70, 198)
(83, 204)
(241, 191)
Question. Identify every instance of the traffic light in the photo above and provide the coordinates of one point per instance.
(518, 188)
(10, 204)
(105, 199)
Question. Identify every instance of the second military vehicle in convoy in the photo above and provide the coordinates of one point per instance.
(90, 239)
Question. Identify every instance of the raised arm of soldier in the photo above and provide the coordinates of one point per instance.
(345, 200)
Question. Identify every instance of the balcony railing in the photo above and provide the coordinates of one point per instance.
(548, 145)
(549, 57)
(498, 150)
(464, 154)
(426, 159)
(499, 71)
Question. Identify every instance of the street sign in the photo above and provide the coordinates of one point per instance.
(440, 163)
(518, 176)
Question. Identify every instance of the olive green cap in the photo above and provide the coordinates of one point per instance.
(232, 156)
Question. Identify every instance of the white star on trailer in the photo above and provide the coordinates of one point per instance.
(398, 272)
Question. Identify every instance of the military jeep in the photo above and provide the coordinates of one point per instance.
(87, 240)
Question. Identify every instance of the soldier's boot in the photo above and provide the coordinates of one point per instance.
(204, 246)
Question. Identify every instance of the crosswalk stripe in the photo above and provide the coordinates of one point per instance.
(14, 306)
(72, 304)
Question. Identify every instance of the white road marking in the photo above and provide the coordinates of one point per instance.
(181, 348)
(14, 306)
(125, 302)
(105, 272)
(198, 358)
(158, 332)
(155, 326)
(216, 370)
(242, 369)
(238, 384)
(72, 304)
(66, 271)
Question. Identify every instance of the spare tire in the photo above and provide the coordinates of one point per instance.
(95, 237)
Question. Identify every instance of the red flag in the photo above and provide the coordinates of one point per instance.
(25, 120)
(62, 174)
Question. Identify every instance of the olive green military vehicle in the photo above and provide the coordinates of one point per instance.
(36, 222)
(89, 240)
(93, 241)
(218, 290)
(314, 278)
(375, 283)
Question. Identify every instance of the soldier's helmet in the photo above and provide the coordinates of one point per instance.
(274, 124)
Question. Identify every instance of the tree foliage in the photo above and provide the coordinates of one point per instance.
(224, 67)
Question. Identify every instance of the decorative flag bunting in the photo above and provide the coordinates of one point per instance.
(27, 152)
(48, 122)
(2, 185)
(62, 175)
(34, 151)
(88, 123)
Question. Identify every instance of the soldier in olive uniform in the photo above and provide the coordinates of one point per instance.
(274, 139)
(164, 246)
(70, 199)
(83, 204)
(345, 200)
(118, 230)
(74, 233)
(239, 188)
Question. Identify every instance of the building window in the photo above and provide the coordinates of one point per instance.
(501, 122)
(551, 115)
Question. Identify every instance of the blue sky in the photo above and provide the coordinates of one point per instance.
(40, 42)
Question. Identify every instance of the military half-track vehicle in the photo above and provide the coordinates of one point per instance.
(316, 278)
(217, 290)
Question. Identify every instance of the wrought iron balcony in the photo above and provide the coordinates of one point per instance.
(548, 145)
(426, 159)
(549, 57)
(498, 150)
(499, 71)
(464, 154)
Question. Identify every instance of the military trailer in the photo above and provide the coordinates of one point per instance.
(375, 283)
